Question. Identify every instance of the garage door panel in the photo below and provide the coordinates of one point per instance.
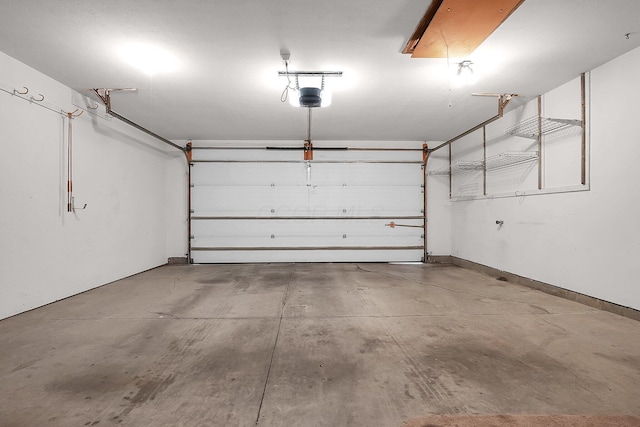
(303, 173)
(303, 233)
(211, 257)
(249, 155)
(245, 201)
(373, 201)
(245, 210)
(304, 201)
(365, 174)
(248, 174)
(365, 155)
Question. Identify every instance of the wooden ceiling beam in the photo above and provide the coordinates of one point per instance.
(455, 28)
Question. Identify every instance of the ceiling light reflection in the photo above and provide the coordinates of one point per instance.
(149, 59)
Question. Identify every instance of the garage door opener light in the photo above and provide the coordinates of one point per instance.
(307, 96)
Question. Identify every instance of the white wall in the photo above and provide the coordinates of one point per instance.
(587, 241)
(126, 178)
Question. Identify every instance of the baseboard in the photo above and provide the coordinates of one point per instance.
(549, 289)
(439, 259)
(177, 260)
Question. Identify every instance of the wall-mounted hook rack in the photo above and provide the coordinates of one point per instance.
(91, 106)
(73, 208)
(73, 114)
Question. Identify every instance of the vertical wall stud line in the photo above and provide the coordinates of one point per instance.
(540, 142)
(69, 164)
(425, 158)
(484, 160)
(189, 152)
(450, 180)
(583, 144)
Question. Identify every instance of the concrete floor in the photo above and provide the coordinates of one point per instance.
(312, 345)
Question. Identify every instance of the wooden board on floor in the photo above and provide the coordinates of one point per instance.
(524, 421)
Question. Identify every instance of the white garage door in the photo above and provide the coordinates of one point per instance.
(270, 205)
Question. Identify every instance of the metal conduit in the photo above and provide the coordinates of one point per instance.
(503, 100)
(105, 97)
(314, 148)
(309, 124)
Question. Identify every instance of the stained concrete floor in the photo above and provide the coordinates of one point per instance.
(312, 345)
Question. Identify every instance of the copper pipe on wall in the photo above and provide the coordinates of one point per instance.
(70, 203)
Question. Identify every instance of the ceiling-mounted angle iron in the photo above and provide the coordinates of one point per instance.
(104, 94)
(503, 101)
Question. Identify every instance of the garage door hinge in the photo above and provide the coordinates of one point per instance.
(192, 185)
(422, 236)
(192, 237)
(192, 211)
(422, 211)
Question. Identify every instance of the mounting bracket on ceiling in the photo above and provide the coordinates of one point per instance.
(105, 94)
(503, 99)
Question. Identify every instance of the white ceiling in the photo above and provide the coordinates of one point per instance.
(228, 88)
